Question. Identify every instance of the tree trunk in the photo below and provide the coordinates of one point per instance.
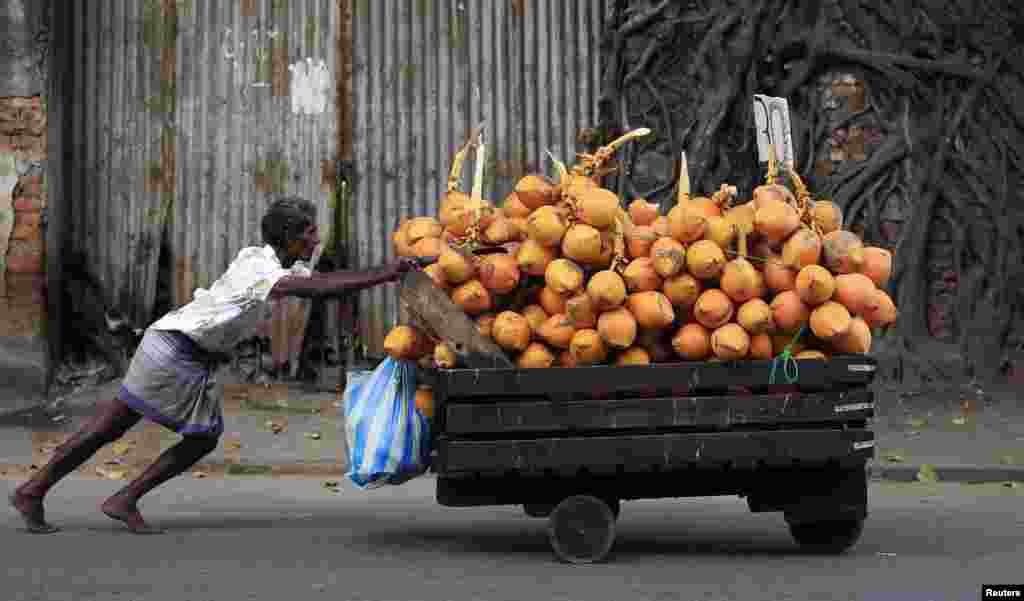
(907, 115)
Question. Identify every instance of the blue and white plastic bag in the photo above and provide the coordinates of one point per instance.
(388, 438)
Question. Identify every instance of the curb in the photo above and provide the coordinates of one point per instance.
(967, 474)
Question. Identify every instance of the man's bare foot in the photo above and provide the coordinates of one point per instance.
(31, 510)
(125, 510)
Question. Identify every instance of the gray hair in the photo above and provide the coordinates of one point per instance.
(286, 219)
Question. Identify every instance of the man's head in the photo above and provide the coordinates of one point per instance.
(290, 227)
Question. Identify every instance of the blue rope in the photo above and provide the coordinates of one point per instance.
(787, 361)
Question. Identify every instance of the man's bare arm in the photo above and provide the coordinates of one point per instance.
(337, 283)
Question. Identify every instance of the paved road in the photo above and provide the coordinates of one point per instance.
(260, 538)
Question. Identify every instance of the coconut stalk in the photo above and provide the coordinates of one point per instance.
(455, 174)
(590, 165)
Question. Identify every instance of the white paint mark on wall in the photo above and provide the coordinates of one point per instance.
(227, 45)
(310, 84)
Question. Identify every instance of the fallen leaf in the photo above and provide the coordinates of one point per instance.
(894, 458)
(233, 444)
(110, 474)
(967, 405)
(331, 484)
(887, 555)
(121, 448)
(1011, 484)
(112, 462)
(313, 435)
(913, 434)
(916, 422)
(927, 473)
(1007, 460)
(199, 475)
(960, 420)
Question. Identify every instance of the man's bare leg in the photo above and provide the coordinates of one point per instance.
(110, 423)
(124, 505)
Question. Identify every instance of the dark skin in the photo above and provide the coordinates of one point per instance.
(114, 418)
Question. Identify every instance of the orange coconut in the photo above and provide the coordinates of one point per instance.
(642, 212)
(547, 225)
(557, 331)
(617, 328)
(815, 285)
(640, 275)
(583, 243)
(580, 309)
(499, 273)
(705, 260)
(458, 268)
(634, 355)
(761, 347)
(778, 277)
(606, 290)
(564, 276)
(788, 311)
(857, 340)
(499, 231)
(511, 331)
(713, 309)
(772, 192)
(801, 249)
(597, 206)
(730, 342)
(811, 355)
(881, 311)
(739, 278)
(472, 297)
(536, 356)
(536, 316)
(552, 302)
(661, 227)
(444, 356)
(513, 207)
(682, 290)
(721, 231)
(640, 240)
(692, 342)
(406, 343)
(843, 252)
(535, 191)
(755, 316)
(588, 348)
(428, 247)
(877, 265)
(668, 256)
(533, 257)
(827, 216)
(776, 221)
(651, 309)
(686, 223)
(855, 291)
(830, 319)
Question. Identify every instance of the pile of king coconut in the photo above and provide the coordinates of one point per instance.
(584, 281)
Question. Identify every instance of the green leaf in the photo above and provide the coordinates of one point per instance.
(927, 473)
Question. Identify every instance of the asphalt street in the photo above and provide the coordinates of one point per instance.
(293, 538)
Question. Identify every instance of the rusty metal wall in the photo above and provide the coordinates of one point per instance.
(188, 136)
(424, 74)
(240, 137)
(113, 138)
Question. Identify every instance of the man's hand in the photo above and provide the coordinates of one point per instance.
(402, 265)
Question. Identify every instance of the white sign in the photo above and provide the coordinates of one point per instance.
(311, 84)
(771, 120)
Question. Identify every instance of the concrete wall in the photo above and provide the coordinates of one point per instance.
(23, 200)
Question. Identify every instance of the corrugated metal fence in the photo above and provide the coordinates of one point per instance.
(425, 73)
(190, 113)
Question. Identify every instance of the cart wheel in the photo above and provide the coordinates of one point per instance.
(581, 529)
(832, 537)
(538, 510)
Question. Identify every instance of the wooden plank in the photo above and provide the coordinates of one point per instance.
(432, 307)
(717, 412)
(640, 453)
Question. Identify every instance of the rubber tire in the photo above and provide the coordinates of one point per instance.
(831, 537)
(581, 529)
